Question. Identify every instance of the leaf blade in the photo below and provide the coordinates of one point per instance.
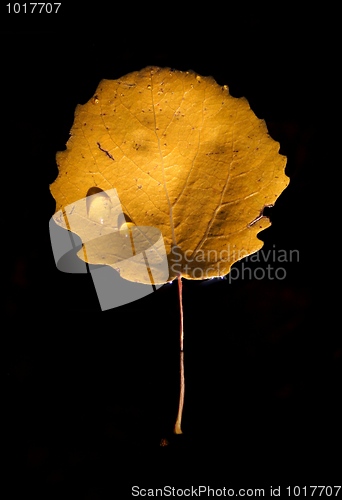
(185, 157)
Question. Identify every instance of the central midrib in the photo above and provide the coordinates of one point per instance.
(163, 170)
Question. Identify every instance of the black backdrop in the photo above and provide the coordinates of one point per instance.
(89, 395)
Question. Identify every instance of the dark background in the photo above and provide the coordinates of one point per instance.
(89, 395)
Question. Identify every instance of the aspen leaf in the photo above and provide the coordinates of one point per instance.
(187, 160)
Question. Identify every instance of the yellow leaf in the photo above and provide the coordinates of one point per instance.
(185, 159)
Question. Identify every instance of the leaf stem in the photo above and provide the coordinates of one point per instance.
(177, 428)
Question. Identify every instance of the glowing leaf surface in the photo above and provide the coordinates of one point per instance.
(185, 157)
